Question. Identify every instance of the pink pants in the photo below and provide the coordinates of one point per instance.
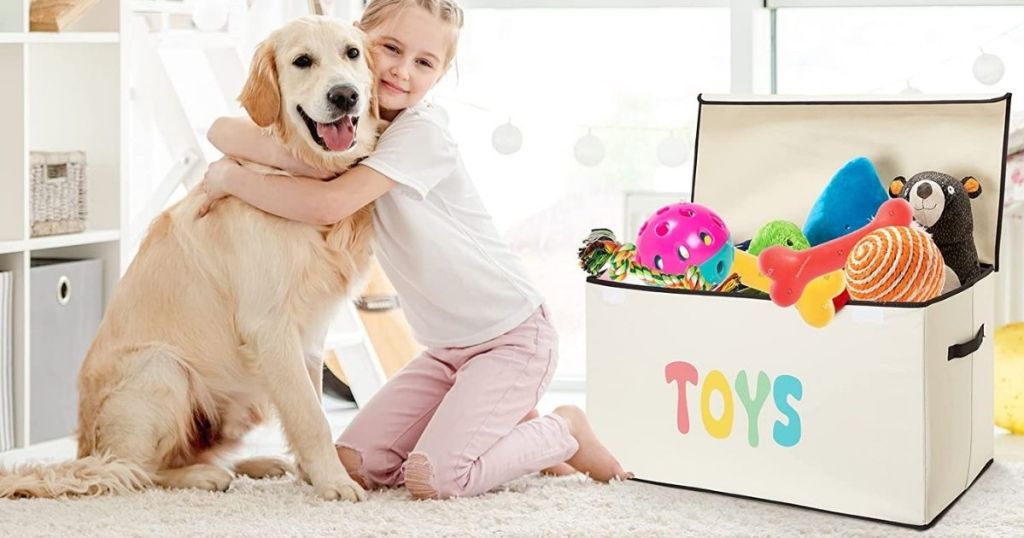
(447, 424)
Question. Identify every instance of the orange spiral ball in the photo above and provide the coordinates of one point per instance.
(895, 264)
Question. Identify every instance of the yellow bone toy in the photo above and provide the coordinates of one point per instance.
(815, 304)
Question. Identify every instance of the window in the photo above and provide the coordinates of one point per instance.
(883, 50)
(630, 76)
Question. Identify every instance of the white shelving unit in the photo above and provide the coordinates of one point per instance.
(61, 91)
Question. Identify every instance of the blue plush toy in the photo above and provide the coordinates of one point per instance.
(849, 201)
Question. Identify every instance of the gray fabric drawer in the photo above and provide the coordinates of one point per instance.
(67, 299)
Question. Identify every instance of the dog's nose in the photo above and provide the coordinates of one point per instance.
(344, 97)
(924, 190)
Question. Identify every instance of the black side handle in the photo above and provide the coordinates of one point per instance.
(959, 351)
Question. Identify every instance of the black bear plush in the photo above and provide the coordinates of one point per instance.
(943, 206)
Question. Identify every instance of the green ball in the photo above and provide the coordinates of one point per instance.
(778, 232)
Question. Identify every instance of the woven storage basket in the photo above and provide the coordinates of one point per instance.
(58, 192)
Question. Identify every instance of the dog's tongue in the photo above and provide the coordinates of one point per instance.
(338, 135)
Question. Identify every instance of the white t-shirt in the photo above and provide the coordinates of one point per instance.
(458, 281)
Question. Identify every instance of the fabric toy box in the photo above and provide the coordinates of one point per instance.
(887, 412)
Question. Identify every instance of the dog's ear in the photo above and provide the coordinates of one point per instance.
(261, 95)
(972, 186)
(896, 187)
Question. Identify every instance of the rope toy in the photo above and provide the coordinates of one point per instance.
(895, 264)
(601, 254)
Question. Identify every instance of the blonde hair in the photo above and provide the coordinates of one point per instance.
(378, 11)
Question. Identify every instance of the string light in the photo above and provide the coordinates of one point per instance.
(589, 150)
(210, 15)
(507, 138)
(988, 68)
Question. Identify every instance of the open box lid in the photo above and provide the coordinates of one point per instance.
(764, 158)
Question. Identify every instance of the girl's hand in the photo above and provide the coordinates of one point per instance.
(240, 138)
(214, 184)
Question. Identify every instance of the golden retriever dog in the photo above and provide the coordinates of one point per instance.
(220, 320)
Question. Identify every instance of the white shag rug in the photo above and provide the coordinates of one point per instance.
(531, 506)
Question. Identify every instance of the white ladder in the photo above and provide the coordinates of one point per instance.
(357, 357)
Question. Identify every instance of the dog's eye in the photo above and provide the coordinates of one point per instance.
(950, 190)
(303, 61)
(352, 53)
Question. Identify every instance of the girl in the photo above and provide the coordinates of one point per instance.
(451, 423)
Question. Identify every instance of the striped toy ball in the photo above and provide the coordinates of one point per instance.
(895, 264)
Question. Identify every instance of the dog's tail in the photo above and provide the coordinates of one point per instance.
(91, 475)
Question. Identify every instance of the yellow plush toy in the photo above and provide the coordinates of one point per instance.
(1009, 351)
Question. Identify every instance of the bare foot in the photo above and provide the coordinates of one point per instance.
(558, 469)
(353, 463)
(592, 457)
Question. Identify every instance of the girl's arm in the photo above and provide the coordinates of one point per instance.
(239, 137)
(301, 199)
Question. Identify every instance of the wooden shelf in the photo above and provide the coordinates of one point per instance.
(60, 37)
(7, 247)
(41, 114)
(87, 237)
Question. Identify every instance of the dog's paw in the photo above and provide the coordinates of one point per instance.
(219, 482)
(341, 489)
(201, 476)
(264, 467)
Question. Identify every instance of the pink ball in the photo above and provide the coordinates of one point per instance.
(680, 235)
